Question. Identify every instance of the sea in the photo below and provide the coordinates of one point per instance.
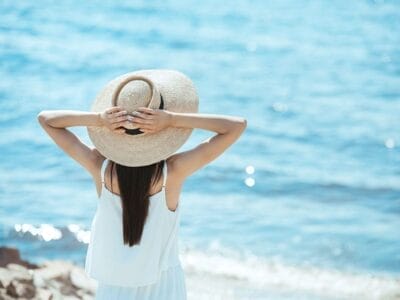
(305, 205)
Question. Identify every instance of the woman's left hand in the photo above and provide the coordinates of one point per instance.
(116, 119)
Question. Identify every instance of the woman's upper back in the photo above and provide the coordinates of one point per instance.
(166, 183)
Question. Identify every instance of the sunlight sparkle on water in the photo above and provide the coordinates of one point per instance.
(46, 231)
(81, 235)
(249, 169)
(390, 144)
(250, 181)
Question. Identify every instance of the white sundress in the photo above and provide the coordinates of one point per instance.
(149, 270)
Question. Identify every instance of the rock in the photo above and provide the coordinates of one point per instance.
(4, 296)
(56, 295)
(11, 255)
(7, 275)
(68, 290)
(16, 267)
(43, 294)
(83, 294)
(80, 280)
(38, 280)
(54, 285)
(8, 255)
(51, 280)
(53, 269)
(21, 289)
(66, 287)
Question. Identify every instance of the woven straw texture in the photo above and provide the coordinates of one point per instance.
(179, 95)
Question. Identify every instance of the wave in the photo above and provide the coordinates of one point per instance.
(268, 277)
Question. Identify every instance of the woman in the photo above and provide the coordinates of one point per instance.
(133, 248)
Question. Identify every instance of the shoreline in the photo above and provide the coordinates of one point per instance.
(207, 276)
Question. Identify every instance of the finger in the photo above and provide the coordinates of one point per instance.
(120, 113)
(120, 124)
(145, 110)
(113, 109)
(143, 115)
(119, 119)
(141, 121)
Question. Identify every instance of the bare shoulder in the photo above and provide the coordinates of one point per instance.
(98, 159)
(174, 173)
(174, 184)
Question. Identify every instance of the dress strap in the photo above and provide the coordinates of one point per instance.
(103, 168)
(165, 173)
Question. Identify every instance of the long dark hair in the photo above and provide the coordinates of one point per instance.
(134, 185)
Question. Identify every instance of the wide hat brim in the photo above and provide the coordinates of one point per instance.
(178, 95)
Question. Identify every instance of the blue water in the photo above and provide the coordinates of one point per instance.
(318, 82)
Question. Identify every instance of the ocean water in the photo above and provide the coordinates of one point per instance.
(306, 205)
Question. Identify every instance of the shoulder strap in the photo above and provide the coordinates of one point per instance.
(103, 168)
(165, 173)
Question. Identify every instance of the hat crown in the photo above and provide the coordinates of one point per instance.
(135, 92)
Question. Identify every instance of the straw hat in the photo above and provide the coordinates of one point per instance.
(157, 89)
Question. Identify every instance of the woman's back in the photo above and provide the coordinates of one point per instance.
(113, 263)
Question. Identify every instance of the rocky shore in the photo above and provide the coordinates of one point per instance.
(53, 280)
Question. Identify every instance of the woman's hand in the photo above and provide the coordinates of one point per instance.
(151, 120)
(116, 119)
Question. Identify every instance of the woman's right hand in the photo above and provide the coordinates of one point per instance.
(151, 120)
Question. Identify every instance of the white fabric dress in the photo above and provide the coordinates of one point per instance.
(146, 271)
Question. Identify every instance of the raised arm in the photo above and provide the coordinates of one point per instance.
(55, 123)
(228, 129)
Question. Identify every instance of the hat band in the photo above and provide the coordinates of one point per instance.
(137, 130)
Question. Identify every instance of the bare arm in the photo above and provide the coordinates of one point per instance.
(69, 118)
(228, 129)
(55, 123)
